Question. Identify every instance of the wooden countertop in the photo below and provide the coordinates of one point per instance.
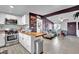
(35, 34)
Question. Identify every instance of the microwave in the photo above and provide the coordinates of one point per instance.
(11, 21)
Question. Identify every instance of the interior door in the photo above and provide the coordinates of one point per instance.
(71, 27)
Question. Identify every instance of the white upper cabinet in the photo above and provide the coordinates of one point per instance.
(11, 16)
(2, 19)
(19, 20)
(24, 20)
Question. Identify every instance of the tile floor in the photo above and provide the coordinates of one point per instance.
(58, 45)
(15, 49)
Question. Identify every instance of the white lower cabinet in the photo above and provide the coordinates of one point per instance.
(28, 42)
(31, 43)
(25, 40)
(2, 40)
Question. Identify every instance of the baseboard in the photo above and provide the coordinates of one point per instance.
(24, 48)
(3, 46)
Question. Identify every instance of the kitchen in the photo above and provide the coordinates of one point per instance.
(24, 31)
(16, 29)
(30, 29)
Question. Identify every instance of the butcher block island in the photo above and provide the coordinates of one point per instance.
(35, 34)
(28, 41)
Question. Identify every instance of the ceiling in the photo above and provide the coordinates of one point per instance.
(20, 10)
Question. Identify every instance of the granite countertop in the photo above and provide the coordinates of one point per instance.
(35, 34)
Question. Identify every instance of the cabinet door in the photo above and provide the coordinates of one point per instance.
(20, 38)
(27, 42)
(8, 16)
(22, 41)
(2, 19)
(2, 40)
(19, 20)
(24, 20)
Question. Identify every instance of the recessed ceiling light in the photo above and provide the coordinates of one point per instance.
(11, 6)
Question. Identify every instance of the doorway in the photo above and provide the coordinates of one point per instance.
(71, 28)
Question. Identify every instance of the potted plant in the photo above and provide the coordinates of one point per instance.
(76, 15)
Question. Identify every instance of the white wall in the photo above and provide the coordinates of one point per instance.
(67, 17)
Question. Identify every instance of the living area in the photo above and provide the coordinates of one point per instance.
(35, 29)
(66, 28)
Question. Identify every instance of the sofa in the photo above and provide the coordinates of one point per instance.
(50, 35)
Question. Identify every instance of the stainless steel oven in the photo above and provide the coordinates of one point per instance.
(11, 37)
